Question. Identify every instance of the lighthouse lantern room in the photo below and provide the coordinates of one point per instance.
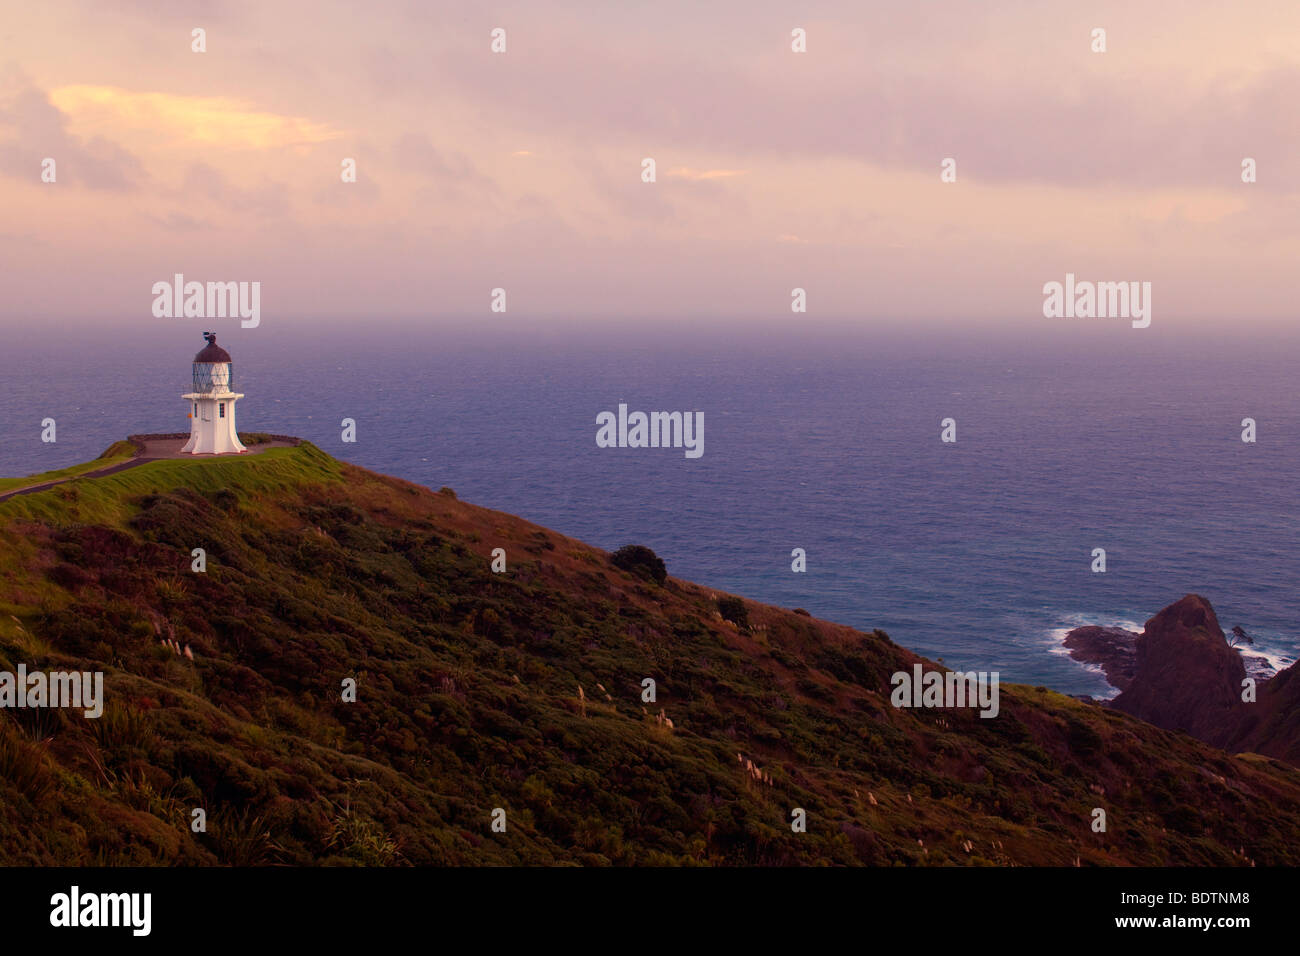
(212, 403)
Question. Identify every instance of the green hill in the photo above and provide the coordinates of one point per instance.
(522, 691)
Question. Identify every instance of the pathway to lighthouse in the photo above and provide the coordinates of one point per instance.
(147, 449)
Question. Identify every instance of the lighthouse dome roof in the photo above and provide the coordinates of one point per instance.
(212, 352)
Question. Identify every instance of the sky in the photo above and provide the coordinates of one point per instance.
(775, 169)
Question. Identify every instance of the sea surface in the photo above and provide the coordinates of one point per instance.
(978, 552)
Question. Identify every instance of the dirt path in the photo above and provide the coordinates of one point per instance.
(148, 449)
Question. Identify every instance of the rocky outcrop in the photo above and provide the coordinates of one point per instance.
(1180, 673)
(1113, 649)
(1186, 676)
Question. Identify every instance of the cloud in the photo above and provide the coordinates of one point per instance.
(206, 182)
(1073, 122)
(683, 172)
(208, 121)
(453, 172)
(32, 128)
(181, 222)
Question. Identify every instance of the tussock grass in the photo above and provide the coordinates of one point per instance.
(22, 765)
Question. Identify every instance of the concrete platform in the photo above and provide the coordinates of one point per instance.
(152, 449)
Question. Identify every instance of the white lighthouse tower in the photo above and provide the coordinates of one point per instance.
(212, 403)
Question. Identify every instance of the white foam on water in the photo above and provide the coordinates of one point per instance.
(1056, 643)
(1259, 660)
(1264, 663)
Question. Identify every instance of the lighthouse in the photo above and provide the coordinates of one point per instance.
(212, 403)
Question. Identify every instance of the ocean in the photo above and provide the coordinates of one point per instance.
(978, 551)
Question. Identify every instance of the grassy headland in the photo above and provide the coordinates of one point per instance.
(520, 690)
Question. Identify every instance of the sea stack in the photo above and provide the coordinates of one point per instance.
(212, 403)
(1186, 676)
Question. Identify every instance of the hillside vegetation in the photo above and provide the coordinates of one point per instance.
(519, 690)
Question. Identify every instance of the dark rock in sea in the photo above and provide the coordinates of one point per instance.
(1186, 677)
(1113, 649)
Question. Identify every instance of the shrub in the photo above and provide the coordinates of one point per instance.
(1082, 738)
(733, 610)
(121, 731)
(225, 499)
(242, 838)
(1184, 819)
(22, 765)
(361, 840)
(638, 559)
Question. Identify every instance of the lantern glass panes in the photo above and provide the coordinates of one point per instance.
(213, 376)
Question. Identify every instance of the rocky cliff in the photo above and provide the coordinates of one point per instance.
(1186, 677)
(1180, 673)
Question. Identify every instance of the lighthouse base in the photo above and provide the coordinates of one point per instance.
(212, 425)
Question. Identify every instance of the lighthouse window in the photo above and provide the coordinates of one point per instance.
(196, 408)
(222, 407)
